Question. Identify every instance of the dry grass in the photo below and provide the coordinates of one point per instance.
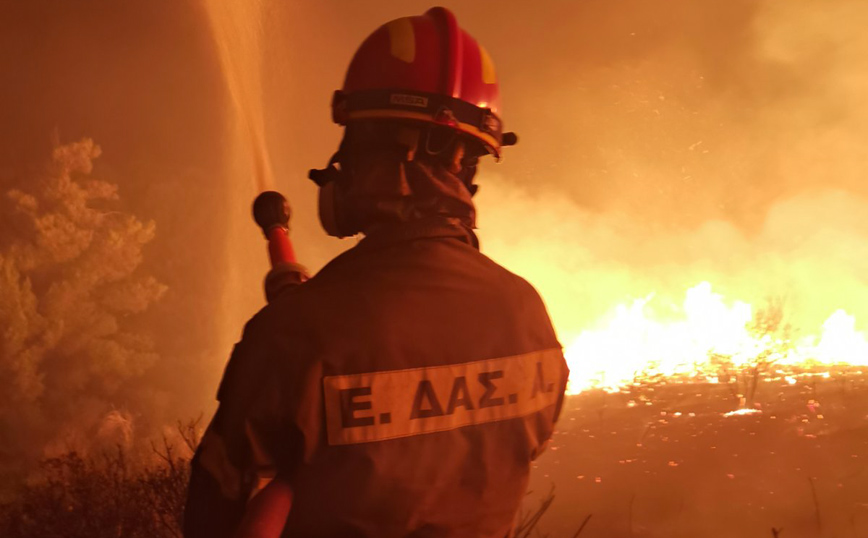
(108, 496)
(104, 496)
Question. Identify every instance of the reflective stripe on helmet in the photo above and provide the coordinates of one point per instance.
(491, 142)
(421, 106)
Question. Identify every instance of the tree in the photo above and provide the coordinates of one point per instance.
(69, 289)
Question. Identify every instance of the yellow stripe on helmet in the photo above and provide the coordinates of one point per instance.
(402, 40)
(488, 74)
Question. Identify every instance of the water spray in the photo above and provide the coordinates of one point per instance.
(237, 28)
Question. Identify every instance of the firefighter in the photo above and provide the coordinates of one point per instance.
(405, 389)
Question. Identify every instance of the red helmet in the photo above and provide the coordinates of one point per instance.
(424, 68)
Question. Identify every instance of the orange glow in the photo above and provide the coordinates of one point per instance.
(631, 344)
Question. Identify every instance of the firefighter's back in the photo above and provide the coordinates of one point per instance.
(431, 378)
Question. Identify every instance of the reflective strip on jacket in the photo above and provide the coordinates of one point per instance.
(403, 391)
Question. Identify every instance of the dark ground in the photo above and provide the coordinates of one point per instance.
(641, 470)
(660, 460)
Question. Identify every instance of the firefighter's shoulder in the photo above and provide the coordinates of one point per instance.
(518, 295)
(257, 355)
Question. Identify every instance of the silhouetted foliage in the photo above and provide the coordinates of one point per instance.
(105, 496)
(108, 496)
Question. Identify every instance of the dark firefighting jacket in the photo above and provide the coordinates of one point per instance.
(401, 392)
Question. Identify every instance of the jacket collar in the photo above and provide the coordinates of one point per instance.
(426, 228)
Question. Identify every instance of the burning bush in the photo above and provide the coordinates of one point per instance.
(69, 288)
(772, 337)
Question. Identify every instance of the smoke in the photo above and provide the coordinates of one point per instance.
(811, 250)
(70, 285)
(820, 130)
(695, 113)
(715, 142)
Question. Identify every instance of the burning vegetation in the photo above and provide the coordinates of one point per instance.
(711, 342)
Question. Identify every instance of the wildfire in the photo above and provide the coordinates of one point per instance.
(706, 336)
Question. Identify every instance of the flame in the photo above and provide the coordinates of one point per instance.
(840, 342)
(638, 342)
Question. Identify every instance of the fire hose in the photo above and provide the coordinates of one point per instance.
(266, 513)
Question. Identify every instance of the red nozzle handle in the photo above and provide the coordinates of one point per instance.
(279, 246)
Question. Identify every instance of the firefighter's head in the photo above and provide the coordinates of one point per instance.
(420, 105)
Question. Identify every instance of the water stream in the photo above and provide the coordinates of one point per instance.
(237, 28)
(238, 37)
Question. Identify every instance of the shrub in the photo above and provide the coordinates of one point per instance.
(104, 496)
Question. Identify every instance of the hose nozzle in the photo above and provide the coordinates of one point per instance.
(271, 212)
(270, 209)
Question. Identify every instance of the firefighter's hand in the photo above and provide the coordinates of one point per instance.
(282, 277)
(266, 513)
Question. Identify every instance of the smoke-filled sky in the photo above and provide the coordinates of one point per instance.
(661, 143)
